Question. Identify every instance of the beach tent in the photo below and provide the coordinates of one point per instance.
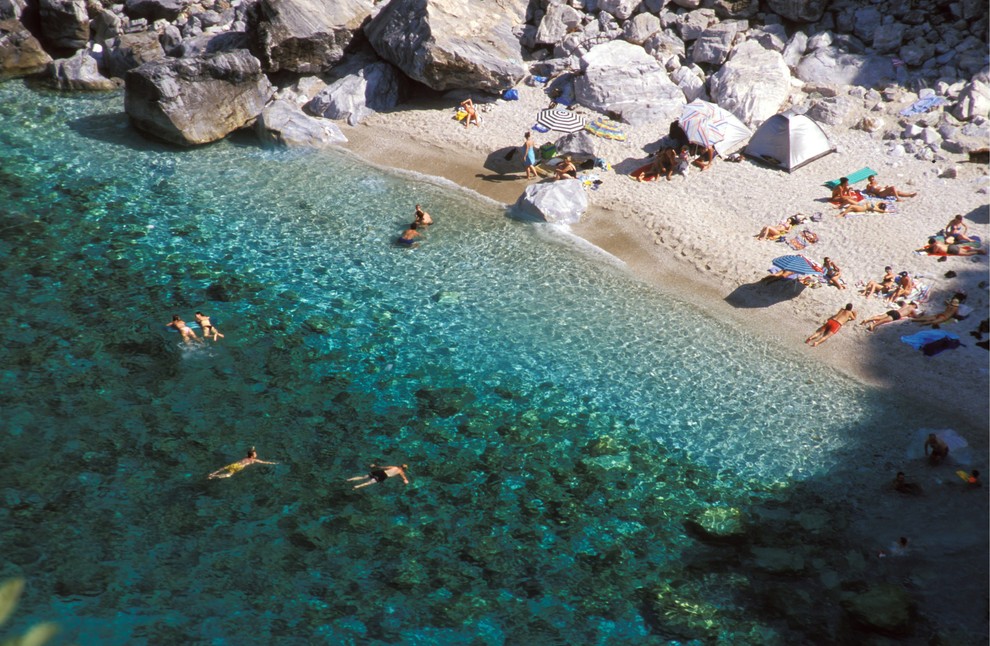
(788, 141)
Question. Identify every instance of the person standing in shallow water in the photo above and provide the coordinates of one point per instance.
(939, 449)
(423, 218)
(529, 154)
(379, 473)
(240, 465)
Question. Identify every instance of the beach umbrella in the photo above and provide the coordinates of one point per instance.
(561, 120)
(797, 264)
(606, 128)
(707, 124)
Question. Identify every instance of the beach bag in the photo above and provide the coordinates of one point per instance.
(548, 151)
(940, 345)
(511, 95)
(460, 115)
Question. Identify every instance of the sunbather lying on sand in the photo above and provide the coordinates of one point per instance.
(950, 248)
(874, 189)
(904, 310)
(863, 208)
(831, 326)
(778, 230)
(951, 309)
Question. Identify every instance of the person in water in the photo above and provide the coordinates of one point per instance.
(410, 236)
(240, 465)
(207, 327)
(379, 473)
(187, 332)
(939, 449)
(423, 218)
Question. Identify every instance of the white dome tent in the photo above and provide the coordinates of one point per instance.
(788, 141)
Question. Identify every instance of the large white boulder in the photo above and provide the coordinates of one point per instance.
(622, 79)
(370, 88)
(753, 84)
(832, 66)
(283, 123)
(559, 202)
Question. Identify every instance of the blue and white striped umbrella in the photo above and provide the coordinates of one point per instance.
(797, 264)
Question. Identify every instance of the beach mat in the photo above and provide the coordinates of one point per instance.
(858, 176)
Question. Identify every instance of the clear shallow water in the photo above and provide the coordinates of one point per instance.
(560, 420)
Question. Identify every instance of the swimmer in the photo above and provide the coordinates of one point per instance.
(187, 332)
(423, 218)
(240, 465)
(940, 450)
(901, 485)
(410, 236)
(207, 326)
(379, 473)
(897, 548)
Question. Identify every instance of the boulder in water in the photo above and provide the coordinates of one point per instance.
(283, 123)
(20, 53)
(886, 609)
(558, 202)
(80, 72)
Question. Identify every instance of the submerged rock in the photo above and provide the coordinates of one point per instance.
(883, 608)
(718, 525)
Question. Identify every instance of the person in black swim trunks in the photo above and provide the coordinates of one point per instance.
(410, 236)
(379, 473)
(905, 310)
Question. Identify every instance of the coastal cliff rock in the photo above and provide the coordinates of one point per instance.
(20, 53)
(799, 10)
(129, 51)
(80, 72)
(152, 10)
(64, 24)
(622, 79)
(560, 202)
(283, 123)
(191, 101)
(305, 36)
(371, 87)
(753, 84)
(12, 9)
(452, 44)
(831, 65)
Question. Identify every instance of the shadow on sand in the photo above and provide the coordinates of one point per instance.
(764, 294)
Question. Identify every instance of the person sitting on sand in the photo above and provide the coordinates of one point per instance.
(957, 229)
(904, 310)
(683, 161)
(904, 286)
(423, 218)
(885, 286)
(666, 162)
(901, 485)
(381, 474)
(844, 195)
(939, 449)
(832, 273)
(950, 311)
(472, 114)
(831, 326)
(410, 236)
(240, 465)
(207, 326)
(188, 335)
(947, 248)
(874, 189)
(869, 207)
(706, 158)
(565, 169)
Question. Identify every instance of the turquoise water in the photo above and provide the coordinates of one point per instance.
(561, 421)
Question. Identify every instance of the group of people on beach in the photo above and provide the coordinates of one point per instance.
(378, 473)
(210, 331)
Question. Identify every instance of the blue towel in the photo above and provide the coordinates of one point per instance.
(920, 339)
(923, 105)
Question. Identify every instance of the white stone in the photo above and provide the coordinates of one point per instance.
(558, 202)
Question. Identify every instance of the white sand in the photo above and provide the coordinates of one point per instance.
(694, 238)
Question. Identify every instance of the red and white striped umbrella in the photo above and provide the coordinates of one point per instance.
(707, 124)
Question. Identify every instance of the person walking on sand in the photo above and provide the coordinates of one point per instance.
(380, 473)
(832, 325)
(188, 335)
(904, 310)
(472, 114)
(240, 465)
(207, 327)
(874, 189)
(423, 218)
(529, 155)
(939, 449)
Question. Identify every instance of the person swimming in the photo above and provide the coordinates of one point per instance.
(207, 327)
(410, 236)
(187, 332)
(380, 473)
(240, 465)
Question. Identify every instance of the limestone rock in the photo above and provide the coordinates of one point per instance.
(753, 84)
(559, 20)
(883, 608)
(831, 110)
(773, 37)
(622, 79)
(559, 202)
(446, 45)
(12, 9)
(129, 51)
(80, 72)
(284, 124)
(64, 24)
(664, 46)
(189, 101)
(105, 25)
(20, 53)
(694, 23)
(714, 44)
(916, 52)
(621, 9)
(210, 43)
(832, 65)
(736, 8)
(795, 49)
(152, 10)
(871, 124)
(866, 22)
(691, 80)
(370, 88)
(888, 38)
(974, 101)
(305, 36)
(799, 10)
(640, 28)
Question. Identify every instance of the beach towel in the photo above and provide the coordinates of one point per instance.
(919, 294)
(802, 240)
(919, 340)
(923, 105)
(858, 176)
(644, 174)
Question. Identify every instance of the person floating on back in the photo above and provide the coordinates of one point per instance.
(380, 473)
(240, 465)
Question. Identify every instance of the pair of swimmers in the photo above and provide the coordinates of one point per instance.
(412, 235)
(377, 474)
(188, 334)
